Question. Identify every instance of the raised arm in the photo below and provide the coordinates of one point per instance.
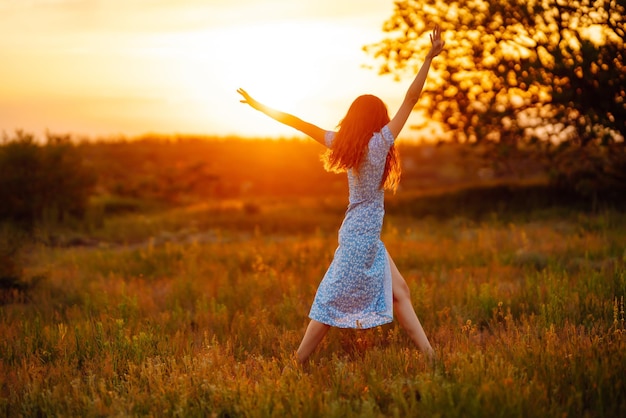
(415, 89)
(307, 128)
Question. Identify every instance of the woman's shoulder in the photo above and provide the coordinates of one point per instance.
(382, 139)
(387, 135)
(329, 137)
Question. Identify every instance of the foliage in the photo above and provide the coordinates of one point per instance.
(12, 283)
(595, 171)
(550, 69)
(484, 202)
(152, 173)
(189, 170)
(46, 182)
(185, 170)
(527, 319)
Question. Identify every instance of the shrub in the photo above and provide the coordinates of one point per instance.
(595, 171)
(14, 285)
(42, 181)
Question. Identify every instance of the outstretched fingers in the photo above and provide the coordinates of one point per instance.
(436, 42)
(246, 96)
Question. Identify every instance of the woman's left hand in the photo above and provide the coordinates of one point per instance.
(248, 99)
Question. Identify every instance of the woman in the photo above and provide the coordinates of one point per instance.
(362, 287)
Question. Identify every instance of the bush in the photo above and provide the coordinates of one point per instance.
(42, 181)
(14, 286)
(594, 171)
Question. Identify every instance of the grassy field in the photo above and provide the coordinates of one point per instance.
(197, 312)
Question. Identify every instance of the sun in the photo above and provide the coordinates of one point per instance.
(293, 66)
(199, 72)
(275, 62)
(280, 64)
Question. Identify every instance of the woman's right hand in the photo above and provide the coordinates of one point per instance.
(437, 43)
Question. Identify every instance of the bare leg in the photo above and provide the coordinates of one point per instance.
(314, 334)
(405, 311)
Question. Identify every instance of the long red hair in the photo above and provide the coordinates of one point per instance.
(366, 116)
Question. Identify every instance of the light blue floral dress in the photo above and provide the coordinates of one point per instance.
(356, 290)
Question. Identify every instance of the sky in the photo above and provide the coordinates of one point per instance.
(110, 68)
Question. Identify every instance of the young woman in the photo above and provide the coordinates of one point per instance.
(362, 287)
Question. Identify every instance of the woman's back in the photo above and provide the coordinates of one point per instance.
(365, 186)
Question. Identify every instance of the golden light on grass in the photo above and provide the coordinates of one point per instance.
(207, 327)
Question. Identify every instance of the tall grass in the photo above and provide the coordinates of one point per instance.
(527, 319)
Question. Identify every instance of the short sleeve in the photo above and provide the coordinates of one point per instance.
(387, 136)
(382, 141)
(329, 137)
(380, 144)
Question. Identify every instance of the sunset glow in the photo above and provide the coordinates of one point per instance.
(104, 68)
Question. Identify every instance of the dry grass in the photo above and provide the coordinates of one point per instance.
(527, 319)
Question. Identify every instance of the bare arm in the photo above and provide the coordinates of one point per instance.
(415, 89)
(307, 128)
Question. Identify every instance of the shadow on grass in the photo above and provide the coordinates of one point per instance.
(500, 201)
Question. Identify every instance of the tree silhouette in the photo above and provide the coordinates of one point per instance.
(517, 70)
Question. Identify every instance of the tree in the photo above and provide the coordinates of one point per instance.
(517, 70)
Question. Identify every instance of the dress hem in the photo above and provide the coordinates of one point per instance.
(384, 320)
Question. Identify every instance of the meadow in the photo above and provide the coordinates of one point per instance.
(527, 320)
(197, 309)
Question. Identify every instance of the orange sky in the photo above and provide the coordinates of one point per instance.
(101, 68)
